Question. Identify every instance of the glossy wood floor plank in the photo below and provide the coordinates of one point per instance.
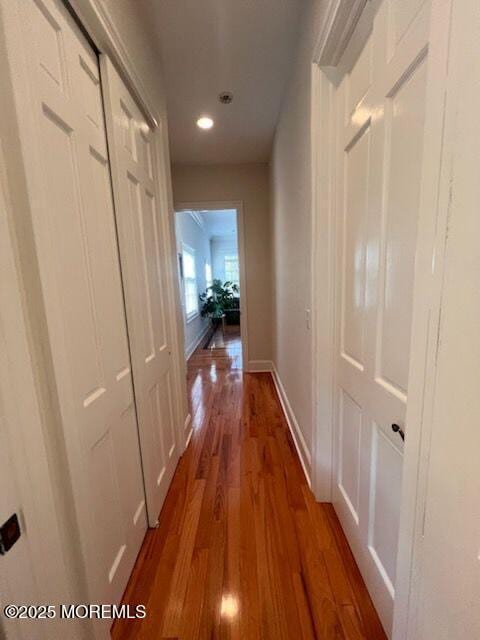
(243, 551)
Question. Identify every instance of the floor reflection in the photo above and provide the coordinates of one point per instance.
(223, 351)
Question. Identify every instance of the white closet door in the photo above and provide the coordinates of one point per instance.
(64, 146)
(17, 577)
(380, 106)
(143, 253)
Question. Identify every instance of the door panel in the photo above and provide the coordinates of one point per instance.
(404, 129)
(17, 583)
(401, 15)
(355, 222)
(33, 571)
(79, 268)
(143, 252)
(380, 121)
(349, 460)
(386, 472)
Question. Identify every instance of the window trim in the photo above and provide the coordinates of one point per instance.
(208, 277)
(230, 257)
(189, 316)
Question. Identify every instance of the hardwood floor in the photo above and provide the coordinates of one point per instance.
(243, 551)
(224, 351)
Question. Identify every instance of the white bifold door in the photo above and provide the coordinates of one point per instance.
(17, 582)
(143, 252)
(380, 105)
(60, 112)
(86, 352)
(17, 576)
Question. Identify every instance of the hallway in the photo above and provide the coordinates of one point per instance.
(243, 550)
(302, 173)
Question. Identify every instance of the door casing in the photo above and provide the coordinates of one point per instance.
(217, 205)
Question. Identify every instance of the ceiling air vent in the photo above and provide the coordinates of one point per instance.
(226, 97)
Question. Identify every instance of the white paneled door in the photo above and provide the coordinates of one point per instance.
(143, 251)
(17, 577)
(380, 105)
(60, 111)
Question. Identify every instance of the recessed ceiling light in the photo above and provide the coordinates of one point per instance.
(205, 122)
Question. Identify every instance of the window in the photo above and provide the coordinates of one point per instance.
(190, 283)
(208, 275)
(231, 269)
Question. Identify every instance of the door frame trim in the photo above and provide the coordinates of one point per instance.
(323, 283)
(427, 299)
(216, 205)
(339, 24)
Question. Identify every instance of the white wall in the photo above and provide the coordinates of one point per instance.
(250, 184)
(190, 233)
(221, 247)
(291, 227)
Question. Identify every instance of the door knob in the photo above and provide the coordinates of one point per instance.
(397, 429)
(9, 534)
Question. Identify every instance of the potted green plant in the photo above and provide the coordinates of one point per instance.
(219, 298)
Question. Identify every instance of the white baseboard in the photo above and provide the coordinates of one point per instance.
(187, 427)
(193, 345)
(297, 435)
(260, 366)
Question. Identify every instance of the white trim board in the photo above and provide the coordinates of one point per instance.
(196, 342)
(297, 435)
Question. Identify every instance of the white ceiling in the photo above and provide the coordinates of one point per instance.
(210, 46)
(220, 223)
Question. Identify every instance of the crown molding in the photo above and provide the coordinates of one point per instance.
(197, 216)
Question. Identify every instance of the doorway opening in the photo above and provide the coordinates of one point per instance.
(210, 252)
